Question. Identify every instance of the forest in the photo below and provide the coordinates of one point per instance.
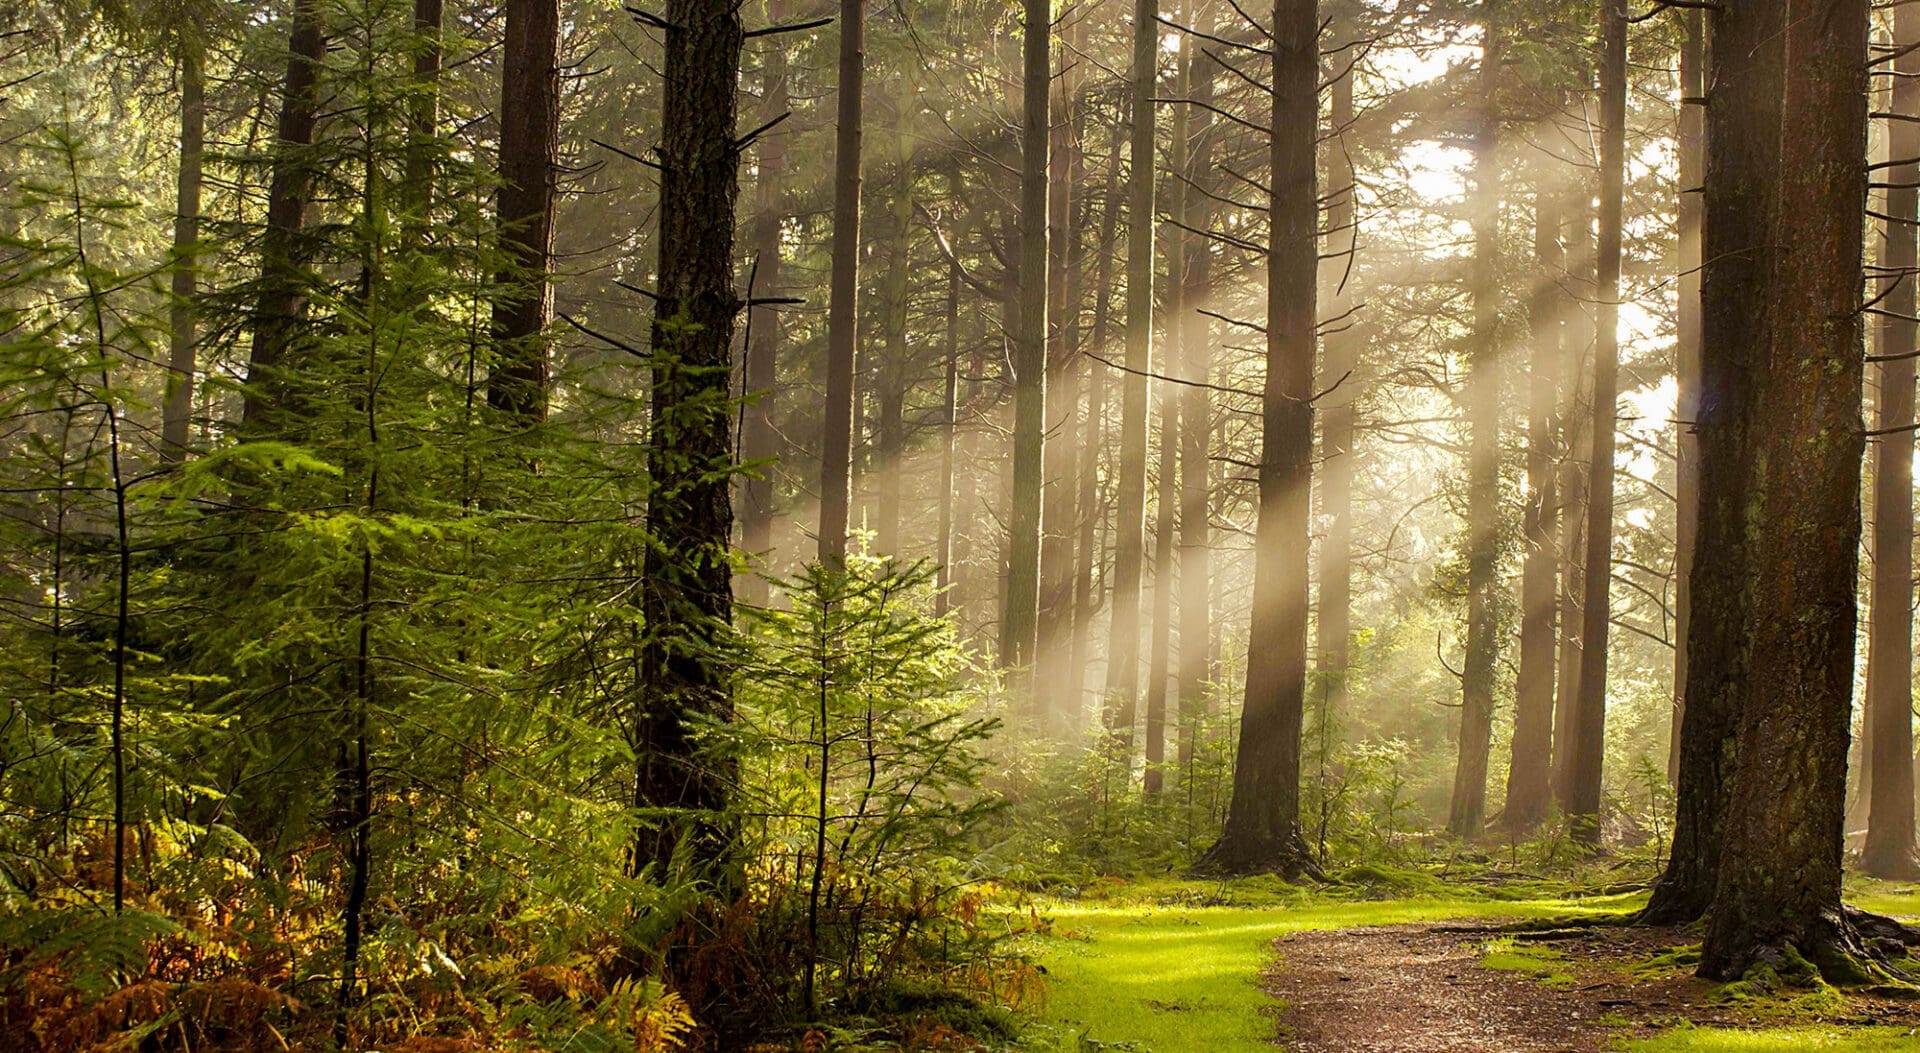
(1018, 526)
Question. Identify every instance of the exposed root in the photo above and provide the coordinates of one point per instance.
(1231, 857)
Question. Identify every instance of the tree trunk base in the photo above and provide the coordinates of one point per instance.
(1241, 857)
(1891, 866)
(1673, 905)
(1849, 950)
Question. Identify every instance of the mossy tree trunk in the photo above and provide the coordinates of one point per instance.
(1738, 198)
(1778, 890)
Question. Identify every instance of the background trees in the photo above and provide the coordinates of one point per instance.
(369, 472)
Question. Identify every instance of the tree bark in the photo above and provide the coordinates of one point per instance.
(1021, 624)
(529, 170)
(1055, 628)
(1576, 441)
(1341, 356)
(1740, 191)
(1469, 804)
(943, 552)
(1590, 707)
(843, 298)
(177, 407)
(1890, 851)
(1160, 634)
(686, 594)
(759, 442)
(1130, 482)
(1780, 866)
(1691, 147)
(285, 249)
(1262, 831)
(1196, 422)
(423, 121)
(1530, 771)
(1091, 551)
(891, 375)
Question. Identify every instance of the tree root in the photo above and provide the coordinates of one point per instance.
(1231, 857)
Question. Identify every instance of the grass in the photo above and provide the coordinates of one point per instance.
(1171, 967)
(1780, 1040)
(1547, 966)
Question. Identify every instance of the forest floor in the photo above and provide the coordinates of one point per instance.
(1172, 967)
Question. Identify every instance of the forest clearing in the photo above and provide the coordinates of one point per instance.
(1044, 526)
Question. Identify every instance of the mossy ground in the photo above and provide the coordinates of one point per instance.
(1543, 964)
(1169, 966)
(1172, 966)
(1780, 1040)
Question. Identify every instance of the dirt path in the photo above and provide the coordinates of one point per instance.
(1423, 989)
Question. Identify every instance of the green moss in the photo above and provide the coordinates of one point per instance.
(1680, 959)
(1778, 1040)
(1175, 978)
(1382, 879)
(1543, 964)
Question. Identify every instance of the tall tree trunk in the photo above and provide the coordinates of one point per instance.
(759, 442)
(891, 376)
(1740, 188)
(1196, 420)
(1091, 552)
(1530, 772)
(687, 594)
(1166, 476)
(1576, 440)
(950, 418)
(285, 249)
(1263, 818)
(1890, 850)
(1130, 482)
(1469, 805)
(1590, 706)
(1686, 516)
(178, 405)
(1160, 634)
(1055, 630)
(1779, 879)
(529, 169)
(843, 297)
(423, 121)
(1020, 625)
(1335, 631)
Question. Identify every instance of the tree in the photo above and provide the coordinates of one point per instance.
(1889, 851)
(1469, 803)
(1778, 887)
(1529, 775)
(181, 356)
(1739, 195)
(759, 443)
(1019, 627)
(1196, 413)
(524, 204)
(686, 593)
(1335, 611)
(1130, 483)
(1262, 831)
(1588, 738)
(1690, 146)
(1056, 677)
(843, 304)
(285, 251)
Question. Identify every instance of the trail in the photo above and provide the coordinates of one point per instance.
(1424, 989)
